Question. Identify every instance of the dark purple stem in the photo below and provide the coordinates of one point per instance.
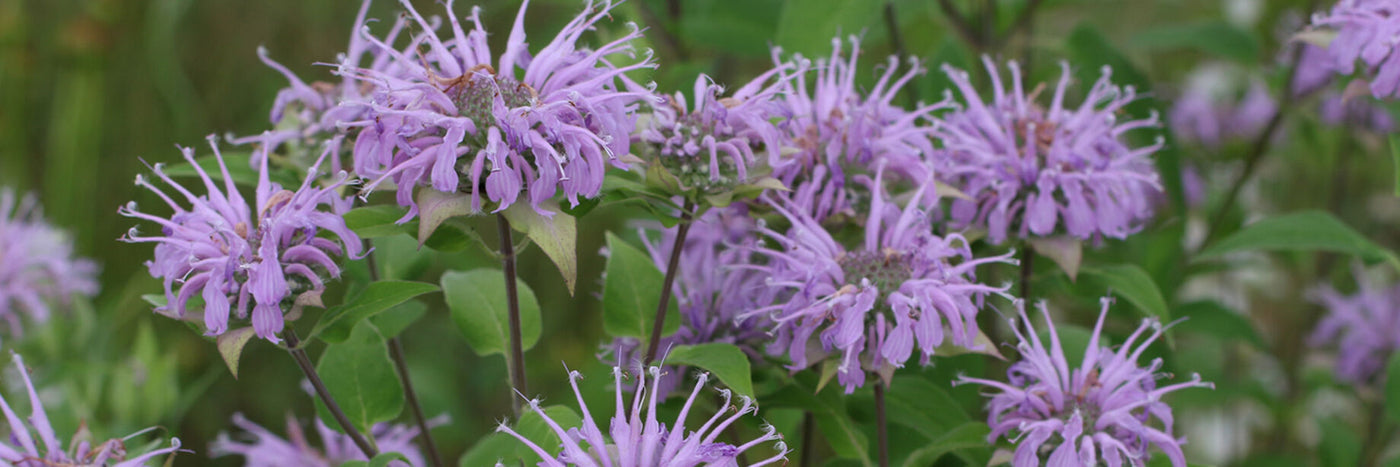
(681, 231)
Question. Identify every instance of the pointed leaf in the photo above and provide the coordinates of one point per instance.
(808, 26)
(375, 221)
(1065, 251)
(725, 361)
(1212, 318)
(966, 436)
(1134, 285)
(231, 345)
(436, 207)
(336, 323)
(477, 302)
(1299, 231)
(361, 379)
(631, 292)
(557, 236)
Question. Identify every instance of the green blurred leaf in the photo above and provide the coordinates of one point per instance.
(1134, 285)
(398, 318)
(631, 292)
(375, 221)
(1212, 318)
(489, 449)
(829, 411)
(478, 304)
(1299, 231)
(725, 361)
(381, 460)
(1340, 445)
(1395, 160)
(361, 379)
(1215, 37)
(1074, 340)
(1089, 50)
(969, 435)
(336, 322)
(809, 26)
(740, 27)
(1392, 388)
(930, 410)
(556, 235)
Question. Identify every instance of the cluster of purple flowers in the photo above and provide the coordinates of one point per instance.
(1203, 116)
(635, 438)
(1365, 327)
(236, 256)
(265, 449)
(37, 265)
(1108, 409)
(1366, 31)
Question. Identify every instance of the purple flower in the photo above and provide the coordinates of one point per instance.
(20, 448)
(839, 131)
(1365, 327)
(1209, 120)
(1314, 71)
(1033, 171)
(309, 114)
(715, 282)
(712, 145)
(871, 306)
(531, 123)
(235, 257)
(265, 449)
(1367, 30)
(635, 439)
(37, 266)
(1099, 412)
(1355, 113)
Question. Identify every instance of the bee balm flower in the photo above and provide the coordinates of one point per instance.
(37, 267)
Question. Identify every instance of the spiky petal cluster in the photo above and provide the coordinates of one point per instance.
(1032, 171)
(636, 438)
(236, 256)
(1364, 326)
(1367, 31)
(871, 306)
(840, 131)
(1101, 412)
(316, 111)
(716, 281)
(713, 144)
(37, 266)
(265, 449)
(536, 123)
(21, 449)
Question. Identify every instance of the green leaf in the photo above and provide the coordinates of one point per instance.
(336, 322)
(1395, 160)
(808, 26)
(398, 318)
(1089, 50)
(1134, 285)
(381, 460)
(1074, 340)
(238, 168)
(477, 302)
(436, 207)
(489, 449)
(375, 221)
(1212, 318)
(741, 27)
(557, 236)
(1067, 252)
(1392, 388)
(231, 345)
(1214, 37)
(631, 292)
(829, 411)
(1299, 231)
(1340, 445)
(924, 406)
(725, 361)
(966, 436)
(361, 379)
(533, 427)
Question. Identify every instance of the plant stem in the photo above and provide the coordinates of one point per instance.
(304, 362)
(881, 434)
(425, 436)
(911, 93)
(1027, 267)
(809, 450)
(676, 246)
(516, 362)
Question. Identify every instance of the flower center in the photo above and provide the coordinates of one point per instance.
(886, 270)
(474, 94)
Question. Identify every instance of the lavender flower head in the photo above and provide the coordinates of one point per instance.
(1365, 328)
(716, 281)
(20, 448)
(1207, 115)
(1033, 171)
(309, 114)
(839, 131)
(1100, 412)
(236, 257)
(445, 113)
(637, 439)
(265, 449)
(871, 306)
(37, 266)
(1359, 114)
(712, 145)
(1367, 30)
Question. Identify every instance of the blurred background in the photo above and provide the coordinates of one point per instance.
(93, 91)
